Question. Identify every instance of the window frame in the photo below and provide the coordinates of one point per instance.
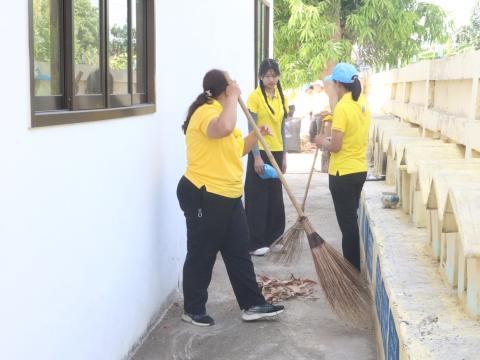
(69, 108)
(261, 34)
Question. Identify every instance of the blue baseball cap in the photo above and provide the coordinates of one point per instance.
(343, 72)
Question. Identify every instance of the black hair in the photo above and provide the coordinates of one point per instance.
(271, 64)
(214, 83)
(355, 87)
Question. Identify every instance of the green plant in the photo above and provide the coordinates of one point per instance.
(468, 36)
(311, 34)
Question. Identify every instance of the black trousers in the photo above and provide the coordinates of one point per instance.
(215, 223)
(346, 192)
(264, 204)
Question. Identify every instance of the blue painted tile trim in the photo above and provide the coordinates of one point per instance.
(381, 303)
(393, 346)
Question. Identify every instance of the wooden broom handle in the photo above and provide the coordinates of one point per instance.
(309, 179)
(269, 153)
(319, 131)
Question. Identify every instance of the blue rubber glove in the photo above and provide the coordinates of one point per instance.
(269, 172)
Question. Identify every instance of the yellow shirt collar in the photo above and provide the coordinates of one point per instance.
(259, 94)
(276, 94)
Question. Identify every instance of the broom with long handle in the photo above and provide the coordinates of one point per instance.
(344, 287)
(287, 248)
(290, 242)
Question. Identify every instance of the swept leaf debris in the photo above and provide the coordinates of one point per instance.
(275, 290)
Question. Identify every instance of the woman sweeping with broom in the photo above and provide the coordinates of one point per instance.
(345, 289)
(263, 197)
(348, 163)
(210, 196)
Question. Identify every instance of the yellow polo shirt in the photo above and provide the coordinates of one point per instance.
(352, 118)
(215, 163)
(256, 104)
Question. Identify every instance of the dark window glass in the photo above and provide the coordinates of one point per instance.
(91, 55)
(262, 18)
(47, 58)
(87, 47)
(118, 45)
(138, 47)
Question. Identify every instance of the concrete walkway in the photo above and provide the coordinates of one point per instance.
(306, 330)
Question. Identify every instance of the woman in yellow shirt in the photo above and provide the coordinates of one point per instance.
(210, 195)
(264, 197)
(348, 163)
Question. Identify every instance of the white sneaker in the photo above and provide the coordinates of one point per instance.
(260, 252)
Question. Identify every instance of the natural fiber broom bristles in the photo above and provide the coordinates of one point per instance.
(345, 288)
(288, 247)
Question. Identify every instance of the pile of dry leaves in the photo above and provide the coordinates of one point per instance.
(306, 145)
(275, 290)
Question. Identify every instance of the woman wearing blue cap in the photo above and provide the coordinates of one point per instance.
(348, 163)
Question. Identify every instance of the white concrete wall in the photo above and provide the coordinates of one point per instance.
(91, 237)
(440, 95)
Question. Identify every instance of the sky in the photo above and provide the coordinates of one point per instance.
(458, 10)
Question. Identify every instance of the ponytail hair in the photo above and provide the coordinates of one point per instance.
(201, 99)
(355, 87)
(280, 90)
(214, 84)
(262, 88)
(271, 64)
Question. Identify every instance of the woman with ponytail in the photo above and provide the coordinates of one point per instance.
(348, 163)
(210, 195)
(264, 197)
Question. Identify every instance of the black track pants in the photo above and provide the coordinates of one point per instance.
(215, 223)
(346, 192)
(264, 204)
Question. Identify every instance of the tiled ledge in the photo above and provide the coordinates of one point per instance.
(418, 315)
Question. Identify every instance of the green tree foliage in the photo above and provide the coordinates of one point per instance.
(469, 35)
(87, 33)
(310, 33)
(45, 41)
(119, 46)
(41, 27)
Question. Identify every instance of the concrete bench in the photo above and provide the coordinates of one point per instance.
(413, 113)
(442, 182)
(461, 263)
(376, 128)
(396, 147)
(454, 127)
(383, 133)
(413, 154)
(426, 170)
(416, 315)
(474, 135)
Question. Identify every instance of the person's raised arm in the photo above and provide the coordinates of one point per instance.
(224, 125)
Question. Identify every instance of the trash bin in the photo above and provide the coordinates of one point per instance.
(292, 134)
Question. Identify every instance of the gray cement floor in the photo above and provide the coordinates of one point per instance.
(307, 330)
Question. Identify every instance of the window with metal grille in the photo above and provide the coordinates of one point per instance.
(91, 60)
